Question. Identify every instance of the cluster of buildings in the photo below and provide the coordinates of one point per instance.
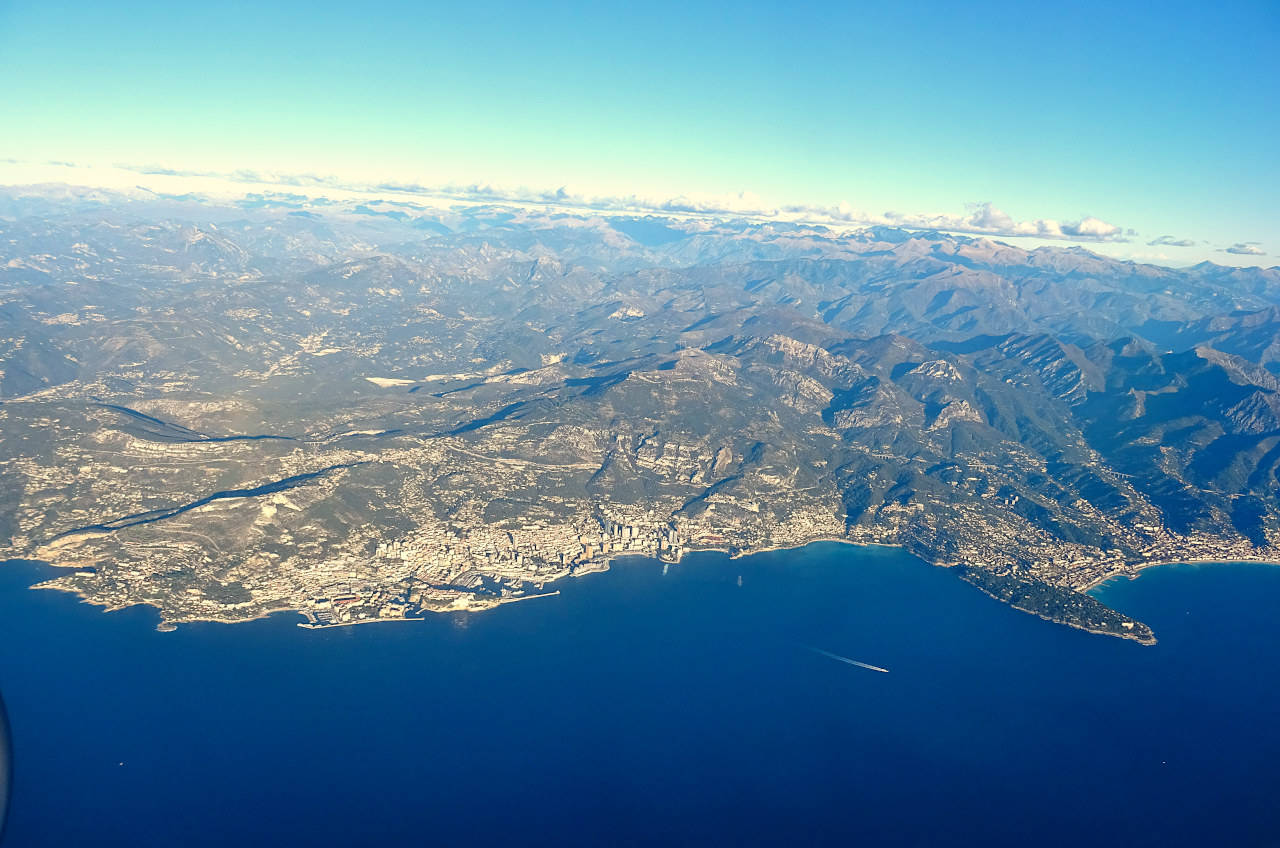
(444, 565)
(447, 566)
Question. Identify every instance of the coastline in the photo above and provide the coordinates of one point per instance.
(482, 603)
(740, 553)
(165, 625)
(309, 626)
(423, 617)
(1135, 571)
(1131, 636)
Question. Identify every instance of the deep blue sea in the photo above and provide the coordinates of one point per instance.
(637, 708)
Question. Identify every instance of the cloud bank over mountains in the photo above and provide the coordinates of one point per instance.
(986, 219)
(983, 218)
(979, 219)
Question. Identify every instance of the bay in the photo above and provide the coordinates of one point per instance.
(638, 708)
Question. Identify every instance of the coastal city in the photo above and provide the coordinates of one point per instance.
(466, 564)
(335, 415)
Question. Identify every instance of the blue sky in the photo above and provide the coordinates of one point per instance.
(1160, 118)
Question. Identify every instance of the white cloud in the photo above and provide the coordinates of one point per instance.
(1171, 241)
(741, 203)
(978, 219)
(1093, 229)
(1245, 249)
(982, 218)
(987, 219)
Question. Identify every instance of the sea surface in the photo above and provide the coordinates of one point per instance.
(643, 708)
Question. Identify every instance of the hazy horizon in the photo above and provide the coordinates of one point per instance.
(1142, 132)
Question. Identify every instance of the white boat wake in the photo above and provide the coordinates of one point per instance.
(842, 659)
